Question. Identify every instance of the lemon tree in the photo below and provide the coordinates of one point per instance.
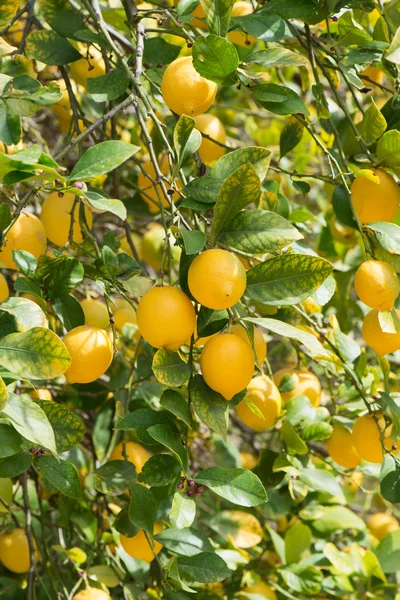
(199, 299)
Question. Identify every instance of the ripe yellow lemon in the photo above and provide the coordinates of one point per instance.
(92, 594)
(91, 352)
(376, 284)
(341, 448)
(311, 306)
(14, 551)
(135, 453)
(367, 437)
(90, 66)
(380, 524)
(210, 125)
(56, 218)
(138, 546)
(184, 90)
(28, 234)
(150, 189)
(261, 589)
(248, 460)
(124, 313)
(264, 394)
(238, 37)
(165, 317)
(372, 73)
(380, 341)
(217, 279)
(354, 480)
(373, 201)
(41, 394)
(96, 313)
(153, 248)
(259, 343)
(305, 383)
(4, 291)
(227, 364)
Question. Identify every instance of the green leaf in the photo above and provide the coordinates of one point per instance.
(291, 135)
(265, 471)
(187, 140)
(388, 552)
(316, 431)
(216, 58)
(142, 507)
(276, 57)
(183, 511)
(279, 99)
(258, 231)
(140, 420)
(351, 32)
(203, 568)
(388, 149)
(69, 311)
(186, 542)
(108, 87)
(105, 574)
(303, 579)
(236, 485)
(50, 48)
(210, 406)
(10, 125)
(123, 525)
(177, 405)
(15, 465)
(256, 156)
(169, 368)
(203, 190)
(373, 124)
(7, 12)
(37, 354)
(10, 441)
(264, 26)
(218, 13)
(321, 481)
(25, 262)
(293, 441)
(30, 421)
(114, 476)
(240, 189)
(297, 541)
(165, 436)
(102, 158)
(157, 47)
(193, 240)
(20, 314)
(286, 280)
(102, 204)
(160, 470)
(211, 321)
(287, 9)
(68, 428)
(66, 274)
(331, 519)
(61, 16)
(388, 235)
(390, 479)
(61, 474)
(5, 216)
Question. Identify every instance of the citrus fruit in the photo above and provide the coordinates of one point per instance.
(341, 449)
(56, 218)
(217, 279)
(376, 284)
(137, 240)
(381, 523)
(238, 37)
(27, 234)
(41, 394)
(375, 201)
(353, 481)
(263, 393)
(373, 73)
(92, 594)
(14, 551)
(165, 317)
(342, 233)
(311, 306)
(4, 291)
(153, 248)
(303, 382)
(248, 460)
(91, 352)
(184, 90)
(138, 546)
(135, 454)
(210, 125)
(90, 66)
(124, 313)
(260, 346)
(227, 364)
(96, 313)
(150, 189)
(380, 341)
(366, 436)
(260, 589)
(6, 493)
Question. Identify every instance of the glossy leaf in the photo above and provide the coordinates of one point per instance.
(165, 436)
(61, 474)
(102, 158)
(10, 441)
(186, 542)
(169, 368)
(183, 511)
(236, 485)
(160, 470)
(203, 568)
(68, 428)
(177, 405)
(50, 48)
(216, 58)
(15, 465)
(187, 139)
(217, 14)
(256, 156)
(210, 406)
(142, 507)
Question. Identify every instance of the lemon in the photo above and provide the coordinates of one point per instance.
(184, 90)
(92, 594)
(124, 313)
(376, 284)
(248, 460)
(380, 341)
(375, 201)
(263, 393)
(341, 449)
(165, 317)
(91, 352)
(380, 524)
(305, 383)
(90, 66)
(135, 454)
(41, 394)
(96, 313)
(209, 151)
(260, 589)
(27, 233)
(14, 551)
(372, 73)
(137, 240)
(367, 437)
(138, 546)
(241, 9)
(260, 346)
(56, 218)
(353, 481)
(217, 279)
(4, 291)
(227, 364)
